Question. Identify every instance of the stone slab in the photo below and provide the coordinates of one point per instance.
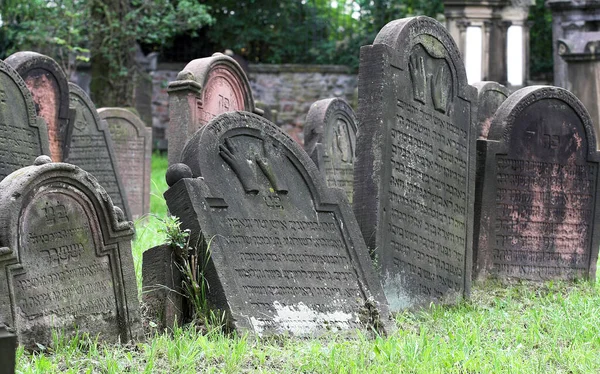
(49, 88)
(8, 350)
(332, 123)
(132, 142)
(23, 136)
(539, 205)
(65, 257)
(286, 255)
(415, 162)
(490, 95)
(90, 146)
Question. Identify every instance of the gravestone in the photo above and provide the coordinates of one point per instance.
(539, 205)
(8, 350)
(285, 252)
(490, 96)
(49, 88)
(89, 146)
(133, 149)
(332, 123)
(205, 88)
(23, 136)
(414, 170)
(65, 257)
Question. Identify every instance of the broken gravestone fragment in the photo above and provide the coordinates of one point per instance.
(65, 257)
(285, 252)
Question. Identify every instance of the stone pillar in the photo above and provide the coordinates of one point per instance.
(516, 13)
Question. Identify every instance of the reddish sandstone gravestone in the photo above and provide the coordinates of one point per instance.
(490, 95)
(49, 87)
(415, 162)
(65, 257)
(205, 88)
(23, 136)
(133, 150)
(539, 198)
(330, 140)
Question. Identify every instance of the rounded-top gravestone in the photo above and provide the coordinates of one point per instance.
(490, 96)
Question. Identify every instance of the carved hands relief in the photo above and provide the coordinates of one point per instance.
(431, 80)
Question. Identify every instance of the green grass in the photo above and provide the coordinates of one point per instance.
(522, 328)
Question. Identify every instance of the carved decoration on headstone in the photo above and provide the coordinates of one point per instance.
(89, 146)
(539, 205)
(132, 142)
(23, 136)
(65, 256)
(49, 88)
(205, 88)
(286, 255)
(330, 140)
(415, 162)
(490, 96)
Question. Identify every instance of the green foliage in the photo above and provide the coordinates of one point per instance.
(541, 60)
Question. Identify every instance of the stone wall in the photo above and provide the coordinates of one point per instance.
(287, 89)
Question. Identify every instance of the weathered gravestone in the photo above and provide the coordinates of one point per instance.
(89, 146)
(490, 95)
(8, 350)
(539, 204)
(133, 149)
(23, 136)
(65, 256)
(286, 255)
(415, 162)
(332, 124)
(49, 87)
(205, 88)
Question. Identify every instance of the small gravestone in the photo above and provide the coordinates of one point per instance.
(133, 149)
(23, 136)
(332, 123)
(415, 162)
(8, 350)
(89, 146)
(490, 96)
(205, 88)
(49, 87)
(65, 257)
(285, 252)
(539, 199)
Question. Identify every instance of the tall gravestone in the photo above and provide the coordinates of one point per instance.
(205, 88)
(286, 255)
(23, 136)
(133, 149)
(330, 140)
(415, 162)
(539, 204)
(89, 146)
(49, 87)
(490, 95)
(65, 257)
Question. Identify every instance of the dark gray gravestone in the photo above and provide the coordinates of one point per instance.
(205, 88)
(89, 146)
(133, 149)
(286, 255)
(65, 259)
(49, 87)
(490, 96)
(332, 123)
(8, 350)
(415, 162)
(539, 217)
(23, 136)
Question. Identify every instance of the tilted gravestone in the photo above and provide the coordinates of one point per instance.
(65, 257)
(490, 95)
(415, 162)
(539, 199)
(286, 255)
(23, 136)
(205, 88)
(49, 87)
(332, 124)
(133, 149)
(89, 146)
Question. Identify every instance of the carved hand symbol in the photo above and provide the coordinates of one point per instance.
(441, 89)
(239, 165)
(416, 66)
(271, 167)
